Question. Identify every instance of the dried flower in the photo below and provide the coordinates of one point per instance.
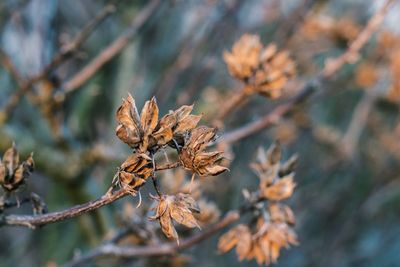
(245, 56)
(194, 157)
(276, 179)
(146, 132)
(13, 174)
(273, 230)
(134, 172)
(264, 70)
(178, 207)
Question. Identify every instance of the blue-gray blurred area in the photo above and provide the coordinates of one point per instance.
(347, 207)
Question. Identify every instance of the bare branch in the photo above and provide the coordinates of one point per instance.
(76, 43)
(111, 51)
(58, 59)
(352, 53)
(32, 221)
(38, 220)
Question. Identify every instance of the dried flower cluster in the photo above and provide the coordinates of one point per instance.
(175, 182)
(180, 208)
(273, 229)
(145, 132)
(194, 157)
(13, 173)
(264, 70)
(178, 129)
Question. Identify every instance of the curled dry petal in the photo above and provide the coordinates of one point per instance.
(129, 128)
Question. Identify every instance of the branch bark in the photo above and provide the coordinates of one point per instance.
(32, 221)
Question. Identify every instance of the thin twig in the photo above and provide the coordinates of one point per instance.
(111, 51)
(352, 53)
(58, 59)
(331, 67)
(32, 221)
(80, 38)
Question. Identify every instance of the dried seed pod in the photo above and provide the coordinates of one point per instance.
(145, 132)
(265, 70)
(245, 56)
(12, 173)
(194, 157)
(134, 172)
(178, 208)
(279, 190)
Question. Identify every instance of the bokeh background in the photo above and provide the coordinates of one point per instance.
(347, 199)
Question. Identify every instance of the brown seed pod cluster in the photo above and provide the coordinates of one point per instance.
(194, 157)
(276, 179)
(175, 182)
(146, 134)
(264, 70)
(180, 208)
(273, 230)
(13, 173)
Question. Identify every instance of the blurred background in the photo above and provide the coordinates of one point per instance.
(347, 135)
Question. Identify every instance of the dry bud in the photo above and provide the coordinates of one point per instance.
(179, 208)
(194, 157)
(12, 173)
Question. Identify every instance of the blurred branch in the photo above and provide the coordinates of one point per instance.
(76, 43)
(332, 66)
(109, 52)
(352, 53)
(32, 221)
(170, 248)
(358, 122)
(58, 59)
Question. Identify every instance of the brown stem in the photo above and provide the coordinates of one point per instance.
(111, 51)
(112, 250)
(38, 220)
